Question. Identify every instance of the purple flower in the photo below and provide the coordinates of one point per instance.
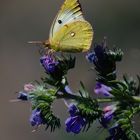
(105, 120)
(22, 96)
(73, 110)
(108, 113)
(75, 122)
(91, 57)
(100, 51)
(103, 59)
(102, 89)
(35, 118)
(49, 63)
(67, 89)
(116, 133)
(113, 129)
(98, 55)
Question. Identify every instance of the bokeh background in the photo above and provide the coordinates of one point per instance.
(22, 21)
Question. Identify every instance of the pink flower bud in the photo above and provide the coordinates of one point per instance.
(29, 87)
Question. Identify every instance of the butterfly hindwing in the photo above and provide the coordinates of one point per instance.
(73, 37)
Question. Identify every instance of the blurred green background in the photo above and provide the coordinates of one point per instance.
(22, 21)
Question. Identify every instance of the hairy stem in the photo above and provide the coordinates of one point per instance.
(76, 97)
(135, 99)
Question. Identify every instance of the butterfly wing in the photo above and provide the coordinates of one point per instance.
(69, 12)
(73, 37)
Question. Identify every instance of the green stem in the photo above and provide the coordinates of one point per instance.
(135, 99)
(69, 96)
(75, 97)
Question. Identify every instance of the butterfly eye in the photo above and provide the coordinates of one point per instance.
(60, 21)
(72, 34)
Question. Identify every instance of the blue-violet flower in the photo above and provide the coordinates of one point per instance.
(36, 118)
(67, 89)
(91, 57)
(116, 133)
(49, 63)
(102, 89)
(75, 122)
(108, 113)
(98, 55)
(22, 96)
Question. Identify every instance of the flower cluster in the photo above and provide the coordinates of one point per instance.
(104, 61)
(115, 106)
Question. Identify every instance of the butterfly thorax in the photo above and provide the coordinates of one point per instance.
(55, 45)
(48, 44)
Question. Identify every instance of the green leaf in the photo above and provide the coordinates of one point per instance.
(83, 92)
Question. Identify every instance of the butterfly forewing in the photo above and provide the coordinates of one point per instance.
(69, 12)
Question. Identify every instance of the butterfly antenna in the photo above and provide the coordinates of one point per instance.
(44, 43)
(36, 42)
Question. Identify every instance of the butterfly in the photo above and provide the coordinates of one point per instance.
(70, 32)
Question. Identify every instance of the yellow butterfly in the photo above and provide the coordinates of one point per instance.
(70, 32)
